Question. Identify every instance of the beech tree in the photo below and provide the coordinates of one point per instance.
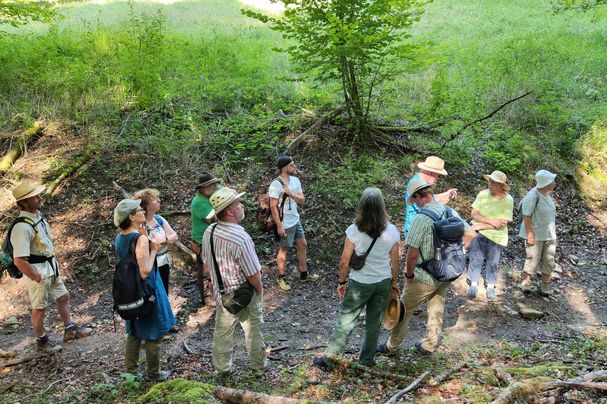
(20, 12)
(356, 43)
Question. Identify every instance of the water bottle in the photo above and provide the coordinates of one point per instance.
(437, 254)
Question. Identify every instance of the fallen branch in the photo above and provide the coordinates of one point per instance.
(311, 347)
(121, 190)
(438, 380)
(70, 169)
(495, 111)
(250, 397)
(175, 213)
(7, 354)
(19, 146)
(409, 388)
(7, 387)
(23, 359)
(277, 349)
(297, 141)
(187, 348)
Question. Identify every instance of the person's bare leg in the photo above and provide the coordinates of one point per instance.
(302, 254)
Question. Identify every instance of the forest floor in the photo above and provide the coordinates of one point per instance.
(497, 345)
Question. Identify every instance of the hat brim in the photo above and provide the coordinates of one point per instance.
(224, 205)
(390, 322)
(505, 184)
(423, 166)
(38, 189)
(413, 193)
(209, 182)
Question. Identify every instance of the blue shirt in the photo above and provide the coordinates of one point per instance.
(410, 209)
(160, 321)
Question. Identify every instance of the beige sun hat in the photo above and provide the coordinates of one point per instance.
(221, 199)
(26, 190)
(415, 185)
(433, 164)
(395, 311)
(500, 177)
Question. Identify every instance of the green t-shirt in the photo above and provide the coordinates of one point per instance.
(494, 208)
(200, 208)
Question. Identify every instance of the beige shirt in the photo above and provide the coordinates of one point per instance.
(26, 241)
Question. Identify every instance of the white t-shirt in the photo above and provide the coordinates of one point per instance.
(377, 265)
(291, 216)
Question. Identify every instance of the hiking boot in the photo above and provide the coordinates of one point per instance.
(43, 344)
(72, 331)
(382, 348)
(421, 351)
(545, 289)
(321, 363)
(527, 286)
(282, 283)
(310, 278)
(174, 329)
(472, 292)
(491, 294)
(160, 377)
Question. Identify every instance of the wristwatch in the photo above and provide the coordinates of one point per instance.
(342, 283)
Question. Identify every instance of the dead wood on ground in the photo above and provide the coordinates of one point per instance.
(19, 146)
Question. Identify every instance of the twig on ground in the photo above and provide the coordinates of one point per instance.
(187, 348)
(441, 378)
(277, 349)
(409, 388)
(311, 347)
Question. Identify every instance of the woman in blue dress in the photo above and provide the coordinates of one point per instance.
(129, 216)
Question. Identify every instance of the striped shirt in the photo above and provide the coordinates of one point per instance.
(235, 254)
(420, 236)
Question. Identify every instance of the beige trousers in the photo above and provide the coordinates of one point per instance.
(540, 254)
(415, 294)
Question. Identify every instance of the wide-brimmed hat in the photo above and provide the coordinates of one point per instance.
(500, 177)
(26, 190)
(544, 178)
(433, 164)
(395, 311)
(415, 185)
(223, 198)
(124, 209)
(206, 178)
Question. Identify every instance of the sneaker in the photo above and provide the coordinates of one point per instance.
(43, 344)
(472, 292)
(321, 362)
(282, 283)
(382, 348)
(545, 289)
(174, 329)
(72, 331)
(421, 351)
(527, 286)
(311, 278)
(160, 377)
(491, 294)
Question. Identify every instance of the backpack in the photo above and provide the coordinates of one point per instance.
(133, 297)
(449, 260)
(6, 256)
(264, 213)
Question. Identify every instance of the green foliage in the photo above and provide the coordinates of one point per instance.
(179, 391)
(21, 12)
(509, 151)
(363, 44)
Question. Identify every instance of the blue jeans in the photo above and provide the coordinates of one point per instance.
(484, 250)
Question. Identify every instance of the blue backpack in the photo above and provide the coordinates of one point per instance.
(449, 260)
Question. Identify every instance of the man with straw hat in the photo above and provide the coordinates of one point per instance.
(200, 208)
(229, 253)
(491, 213)
(430, 171)
(34, 256)
(420, 285)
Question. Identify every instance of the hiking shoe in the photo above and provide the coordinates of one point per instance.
(382, 348)
(72, 331)
(472, 292)
(491, 294)
(282, 283)
(421, 351)
(43, 344)
(527, 286)
(174, 329)
(310, 278)
(160, 377)
(321, 362)
(545, 289)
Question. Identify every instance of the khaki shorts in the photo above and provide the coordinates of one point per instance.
(51, 287)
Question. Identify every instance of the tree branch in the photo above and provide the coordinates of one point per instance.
(495, 111)
(409, 388)
(297, 141)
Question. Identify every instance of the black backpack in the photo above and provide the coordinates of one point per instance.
(6, 256)
(133, 297)
(449, 260)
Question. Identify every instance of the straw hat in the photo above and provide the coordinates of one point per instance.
(26, 190)
(223, 198)
(500, 177)
(395, 311)
(544, 178)
(433, 164)
(415, 185)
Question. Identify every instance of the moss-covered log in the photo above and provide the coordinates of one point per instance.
(19, 146)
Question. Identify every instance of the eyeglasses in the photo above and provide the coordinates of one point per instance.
(137, 210)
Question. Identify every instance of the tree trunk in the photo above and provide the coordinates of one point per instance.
(250, 397)
(19, 147)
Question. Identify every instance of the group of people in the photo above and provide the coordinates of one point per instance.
(229, 271)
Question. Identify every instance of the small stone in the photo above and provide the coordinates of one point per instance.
(557, 268)
(530, 314)
(11, 321)
(574, 259)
